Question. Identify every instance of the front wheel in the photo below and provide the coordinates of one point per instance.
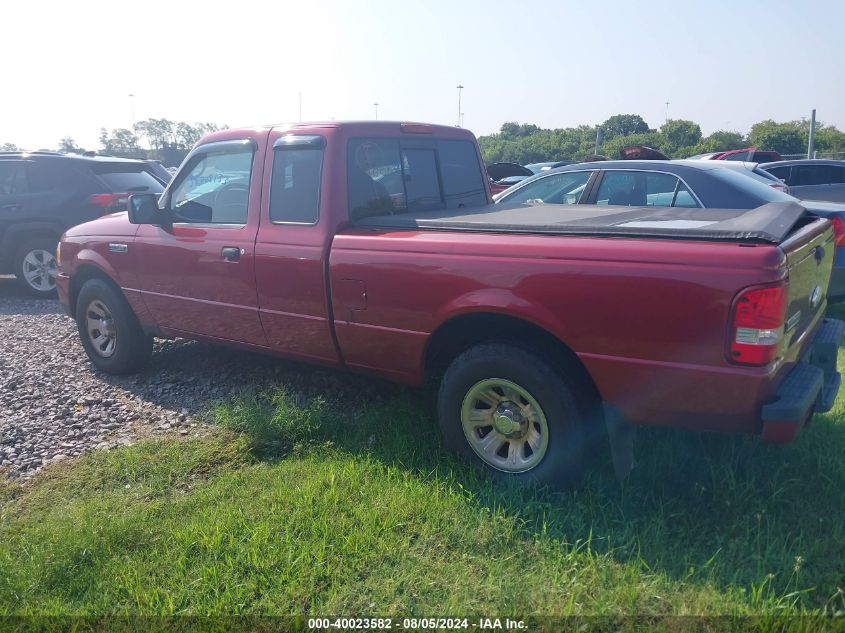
(511, 411)
(109, 330)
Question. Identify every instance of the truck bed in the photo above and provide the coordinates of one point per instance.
(770, 223)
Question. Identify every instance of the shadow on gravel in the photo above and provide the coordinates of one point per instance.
(14, 300)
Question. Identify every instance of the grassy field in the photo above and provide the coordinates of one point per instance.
(322, 509)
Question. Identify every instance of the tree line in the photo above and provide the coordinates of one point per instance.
(677, 138)
(166, 140)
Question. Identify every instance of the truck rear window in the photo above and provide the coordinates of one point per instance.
(128, 177)
(388, 176)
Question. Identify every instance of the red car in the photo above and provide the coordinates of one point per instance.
(746, 154)
(371, 247)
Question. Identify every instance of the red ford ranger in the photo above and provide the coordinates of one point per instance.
(370, 246)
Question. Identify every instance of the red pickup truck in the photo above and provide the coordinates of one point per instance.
(371, 246)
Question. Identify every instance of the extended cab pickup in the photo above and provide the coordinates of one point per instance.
(370, 246)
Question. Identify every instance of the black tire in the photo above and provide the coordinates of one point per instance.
(23, 266)
(558, 398)
(131, 346)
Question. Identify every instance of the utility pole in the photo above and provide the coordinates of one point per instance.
(132, 108)
(811, 145)
(598, 140)
(376, 105)
(459, 87)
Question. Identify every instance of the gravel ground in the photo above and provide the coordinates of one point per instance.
(54, 405)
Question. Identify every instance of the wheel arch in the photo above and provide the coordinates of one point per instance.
(461, 332)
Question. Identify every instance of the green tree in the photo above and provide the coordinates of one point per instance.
(786, 138)
(623, 125)
(158, 132)
(679, 136)
(9, 147)
(653, 139)
(68, 146)
(121, 142)
(719, 141)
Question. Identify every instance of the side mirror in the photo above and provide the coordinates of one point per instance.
(143, 209)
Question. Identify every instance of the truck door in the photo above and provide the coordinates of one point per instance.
(198, 275)
(293, 243)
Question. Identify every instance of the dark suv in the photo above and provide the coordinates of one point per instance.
(44, 193)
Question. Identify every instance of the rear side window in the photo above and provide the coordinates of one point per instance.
(642, 188)
(295, 184)
(743, 156)
(386, 177)
(127, 177)
(837, 175)
(12, 178)
(812, 174)
(781, 173)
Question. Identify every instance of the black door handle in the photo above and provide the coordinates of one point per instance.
(231, 253)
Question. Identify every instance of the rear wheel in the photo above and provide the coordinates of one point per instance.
(109, 330)
(509, 410)
(36, 267)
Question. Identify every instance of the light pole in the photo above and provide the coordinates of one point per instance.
(300, 107)
(376, 106)
(462, 120)
(459, 87)
(667, 111)
(132, 108)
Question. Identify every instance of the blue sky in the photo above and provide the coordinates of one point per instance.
(725, 64)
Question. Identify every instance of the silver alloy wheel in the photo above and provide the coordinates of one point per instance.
(40, 269)
(100, 326)
(505, 425)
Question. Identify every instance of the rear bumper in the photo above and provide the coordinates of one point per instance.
(63, 288)
(810, 387)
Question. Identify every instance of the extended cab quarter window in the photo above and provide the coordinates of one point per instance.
(385, 176)
(295, 184)
(217, 180)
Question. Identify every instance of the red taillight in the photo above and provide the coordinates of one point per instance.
(757, 326)
(779, 186)
(110, 202)
(838, 230)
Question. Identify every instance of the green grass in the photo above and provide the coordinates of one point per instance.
(324, 509)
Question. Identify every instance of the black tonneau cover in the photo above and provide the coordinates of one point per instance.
(770, 223)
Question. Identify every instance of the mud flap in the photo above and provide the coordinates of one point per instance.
(621, 435)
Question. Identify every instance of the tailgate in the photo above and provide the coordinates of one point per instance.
(809, 254)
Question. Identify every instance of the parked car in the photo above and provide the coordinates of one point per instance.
(504, 175)
(684, 183)
(749, 169)
(536, 168)
(746, 154)
(157, 168)
(546, 327)
(811, 179)
(44, 193)
(641, 152)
